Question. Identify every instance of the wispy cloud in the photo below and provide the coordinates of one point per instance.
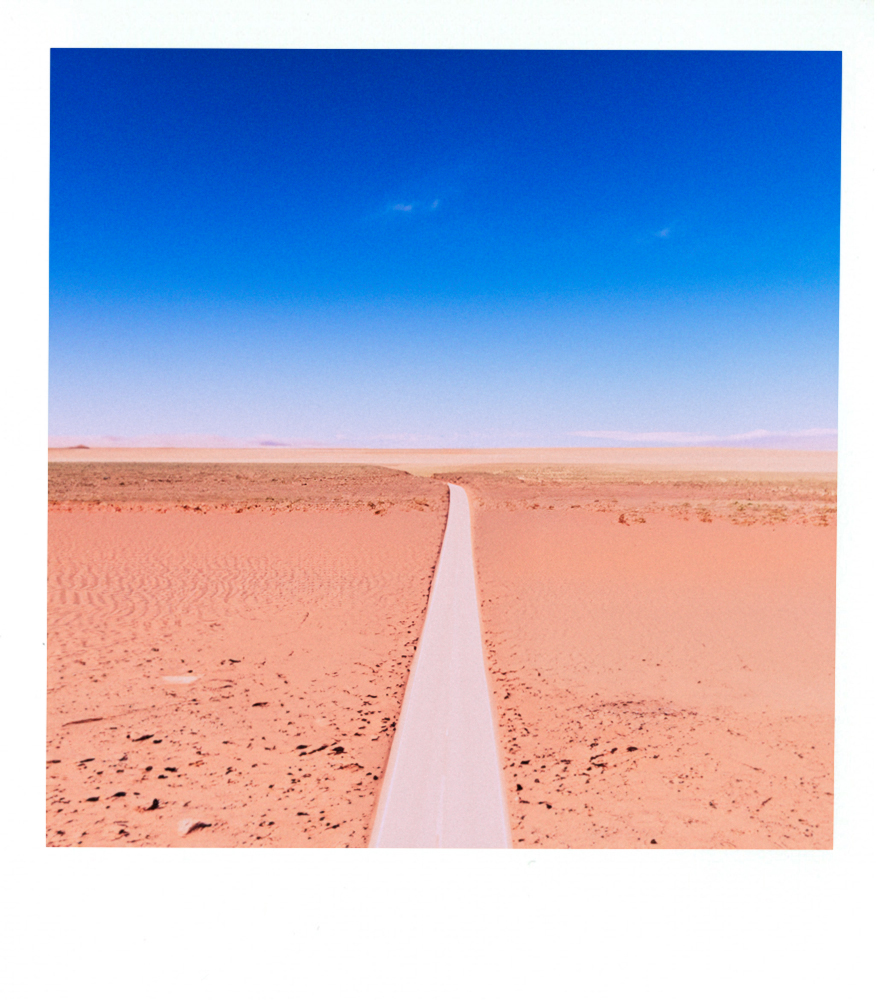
(819, 438)
(414, 207)
(647, 237)
(173, 441)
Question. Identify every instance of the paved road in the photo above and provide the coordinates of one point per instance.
(443, 785)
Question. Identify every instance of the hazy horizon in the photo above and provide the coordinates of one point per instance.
(806, 441)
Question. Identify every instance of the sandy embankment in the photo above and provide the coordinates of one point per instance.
(661, 650)
(228, 646)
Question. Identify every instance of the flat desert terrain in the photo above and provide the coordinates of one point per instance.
(229, 642)
(662, 656)
(228, 649)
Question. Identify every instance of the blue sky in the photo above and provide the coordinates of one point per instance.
(451, 248)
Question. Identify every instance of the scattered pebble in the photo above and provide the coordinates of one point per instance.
(187, 825)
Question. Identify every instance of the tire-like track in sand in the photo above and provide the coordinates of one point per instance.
(443, 785)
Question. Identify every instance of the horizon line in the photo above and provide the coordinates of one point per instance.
(814, 439)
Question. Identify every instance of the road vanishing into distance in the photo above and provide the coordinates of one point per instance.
(443, 784)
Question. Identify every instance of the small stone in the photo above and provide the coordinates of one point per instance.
(187, 825)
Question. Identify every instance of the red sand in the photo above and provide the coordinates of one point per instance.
(245, 670)
(660, 647)
(660, 681)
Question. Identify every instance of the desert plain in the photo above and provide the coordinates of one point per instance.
(230, 635)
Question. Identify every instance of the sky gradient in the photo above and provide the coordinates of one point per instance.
(425, 249)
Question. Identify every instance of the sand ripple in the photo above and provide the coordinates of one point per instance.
(242, 671)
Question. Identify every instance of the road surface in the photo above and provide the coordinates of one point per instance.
(443, 784)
